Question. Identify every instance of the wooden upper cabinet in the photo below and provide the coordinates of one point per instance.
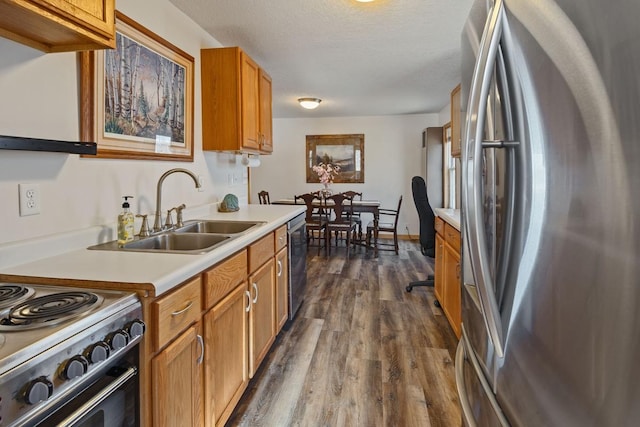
(250, 102)
(59, 25)
(265, 131)
(456, 135)
(236, 102)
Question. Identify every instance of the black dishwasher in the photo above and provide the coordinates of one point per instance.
(297, 235)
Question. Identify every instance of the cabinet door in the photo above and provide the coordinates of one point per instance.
(262, 315)
(59, 25)
(456, 136)
(439, 267)
(226, 370)
(177, 381)
(282, 289)
(451, 304)
(97, 16)
(266, 133)
(249, 72)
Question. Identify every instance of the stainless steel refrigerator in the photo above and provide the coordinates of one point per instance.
(551, 214)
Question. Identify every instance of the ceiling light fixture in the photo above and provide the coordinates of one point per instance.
(309, 103)
(364, 1)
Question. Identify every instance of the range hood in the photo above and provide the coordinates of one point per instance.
(36, 144)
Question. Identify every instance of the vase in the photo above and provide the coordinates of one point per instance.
(326, 191)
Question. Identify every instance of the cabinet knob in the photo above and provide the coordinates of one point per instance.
(255, 288)
(248, 307)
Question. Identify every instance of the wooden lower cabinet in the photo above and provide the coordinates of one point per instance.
(438, 287)
(262, 331)
(451, 270)
(177, 384)
(210, 334)
(282, 289)
(447, 275)
(226, 372)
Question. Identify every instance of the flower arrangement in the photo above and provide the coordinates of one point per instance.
(326, 172)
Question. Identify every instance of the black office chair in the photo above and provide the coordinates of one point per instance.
(427, 226)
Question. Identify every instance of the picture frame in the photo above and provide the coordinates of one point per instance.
(346, 151)
(137, 101)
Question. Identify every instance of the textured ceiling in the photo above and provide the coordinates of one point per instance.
(379, 58)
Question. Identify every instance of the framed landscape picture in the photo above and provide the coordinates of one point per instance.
(345, 151)
(137, 100)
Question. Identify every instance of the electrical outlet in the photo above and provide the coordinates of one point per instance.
(29, 199)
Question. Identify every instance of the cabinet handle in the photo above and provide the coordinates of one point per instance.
(248, 307)
(255, 287)
(179, 312)
(201, 344)
(279, 268)
(458, 272)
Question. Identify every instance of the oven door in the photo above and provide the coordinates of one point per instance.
(109, 402)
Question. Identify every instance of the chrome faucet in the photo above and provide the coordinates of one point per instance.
(157, 224)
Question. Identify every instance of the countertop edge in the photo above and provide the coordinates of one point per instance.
(451, 216)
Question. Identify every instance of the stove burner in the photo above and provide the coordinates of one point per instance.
(49, 310)
(13, 294)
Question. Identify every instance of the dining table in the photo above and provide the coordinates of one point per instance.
(360, 206)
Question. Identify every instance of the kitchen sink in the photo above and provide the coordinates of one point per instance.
(182, 243)
(217, 226)
(176, 242)
(194, 237)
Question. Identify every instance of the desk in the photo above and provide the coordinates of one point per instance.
(363, 206)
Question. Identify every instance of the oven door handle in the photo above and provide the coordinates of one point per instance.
(92, 403)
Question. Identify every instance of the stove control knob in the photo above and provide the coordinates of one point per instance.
(99, 352)
(75, 367)
(119, 340)
(38, 391)
(136, 328)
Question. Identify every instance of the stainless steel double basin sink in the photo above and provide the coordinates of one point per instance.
(194, 237)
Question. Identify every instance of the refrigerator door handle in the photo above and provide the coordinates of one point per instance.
(472, 191)
(467, 412)
(463, 352)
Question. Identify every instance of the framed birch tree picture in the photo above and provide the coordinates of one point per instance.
(137, 99)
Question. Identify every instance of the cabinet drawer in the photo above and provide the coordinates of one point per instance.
(452, 236)
(175, 312)
(223, 278)
(281, 238)
(439, 226)
(261, 251)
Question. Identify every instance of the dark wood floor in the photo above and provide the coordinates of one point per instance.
(361, 352)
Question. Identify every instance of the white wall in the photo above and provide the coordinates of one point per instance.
(392, 156)
(40, 99)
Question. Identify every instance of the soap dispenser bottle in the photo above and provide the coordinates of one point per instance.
(125, 223)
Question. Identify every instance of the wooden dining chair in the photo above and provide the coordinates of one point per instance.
(263, 196)
(342, 221)
(354, 195)
(390, 225)
(316, 223)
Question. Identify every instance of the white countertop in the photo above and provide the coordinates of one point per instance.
(452, 216)
(156, 272)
